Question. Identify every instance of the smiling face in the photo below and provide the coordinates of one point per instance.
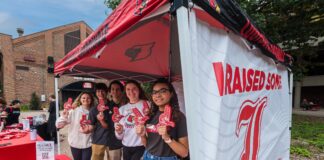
(115, 91)
(85, 100)
(161, 94)
(101, 94)
(132, 92)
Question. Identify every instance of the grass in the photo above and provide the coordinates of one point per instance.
(307, 135)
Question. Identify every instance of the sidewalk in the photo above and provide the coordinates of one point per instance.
(300, 111)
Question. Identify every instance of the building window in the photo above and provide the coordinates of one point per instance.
(71, 40)
(24, 68)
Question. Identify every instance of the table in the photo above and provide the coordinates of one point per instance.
(62, 157)
(19, 149)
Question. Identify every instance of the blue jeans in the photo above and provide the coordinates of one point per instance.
(149, 156)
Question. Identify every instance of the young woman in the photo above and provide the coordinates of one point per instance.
(78, 139)
(161, 141)
(133, 148)
(51, 129)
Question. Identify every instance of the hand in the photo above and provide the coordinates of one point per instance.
(75, 105)
(60, 124)
(65, 113)
(140, 130)
(85, 129)
(119, 128)
(100, 117)
(162, 130)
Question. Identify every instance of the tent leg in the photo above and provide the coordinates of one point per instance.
(188, 82)
(57, 114)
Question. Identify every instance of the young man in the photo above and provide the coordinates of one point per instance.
(103, 137)
(12, 112)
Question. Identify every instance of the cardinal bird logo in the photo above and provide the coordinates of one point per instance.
(250, 115)
(139, 52)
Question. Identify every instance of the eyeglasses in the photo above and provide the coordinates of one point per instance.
(161, 91)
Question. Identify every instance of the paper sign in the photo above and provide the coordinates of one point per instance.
(44, 150)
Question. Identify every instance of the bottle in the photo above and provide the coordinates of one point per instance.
(26, 124)
(33, 133)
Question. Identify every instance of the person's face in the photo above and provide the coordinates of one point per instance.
(17, 105)
(101, 94)
(132, 92)
(161, 94)
(85, 100)
(115, 91)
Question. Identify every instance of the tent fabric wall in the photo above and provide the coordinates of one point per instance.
(235, 116)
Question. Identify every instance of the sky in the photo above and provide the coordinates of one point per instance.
(38, 15)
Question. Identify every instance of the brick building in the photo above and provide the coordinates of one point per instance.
(24, 61)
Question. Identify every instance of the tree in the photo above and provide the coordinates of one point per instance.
(296, 25)
(112, 3)
(34, 102)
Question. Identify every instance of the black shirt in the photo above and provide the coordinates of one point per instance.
(156, 145)
(101, 135)
(13, 115)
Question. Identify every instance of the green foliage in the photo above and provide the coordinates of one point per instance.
(24, 107)
(147, 89)
(300, 151)
(297, 25)
(309, 133)
(34, 102)
(112, 3)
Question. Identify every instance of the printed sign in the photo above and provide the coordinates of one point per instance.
(45, 150)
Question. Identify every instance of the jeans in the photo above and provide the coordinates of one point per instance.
(81, 154)
(149, 156)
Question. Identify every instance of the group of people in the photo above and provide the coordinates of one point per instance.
(10, 114)
(122, 137)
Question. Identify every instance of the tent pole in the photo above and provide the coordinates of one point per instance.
(170, 49)
(57, 114)
(291, 86)
(188, 81)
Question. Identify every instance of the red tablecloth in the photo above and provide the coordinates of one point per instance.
(19, 149)
(62, 157)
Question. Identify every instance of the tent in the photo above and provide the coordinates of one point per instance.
(237, 84)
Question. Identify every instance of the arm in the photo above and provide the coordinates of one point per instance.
(63, 120)
(180, 147)
(119, 131)
(140, 131)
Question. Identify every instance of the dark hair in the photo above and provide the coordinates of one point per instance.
(14, 102)
(141, 91)
(121, 86)
(101, 86)
(78, 99)
(173, 101)
(52, 96)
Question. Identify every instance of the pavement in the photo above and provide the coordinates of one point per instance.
(317, 113)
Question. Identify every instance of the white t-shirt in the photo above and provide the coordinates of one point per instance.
(76, 139)
(129, 137)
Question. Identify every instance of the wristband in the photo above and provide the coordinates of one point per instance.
(168, 141)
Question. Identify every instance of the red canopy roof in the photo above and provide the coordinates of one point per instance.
(138, 40)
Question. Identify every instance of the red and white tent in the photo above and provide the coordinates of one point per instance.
(236, 83)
